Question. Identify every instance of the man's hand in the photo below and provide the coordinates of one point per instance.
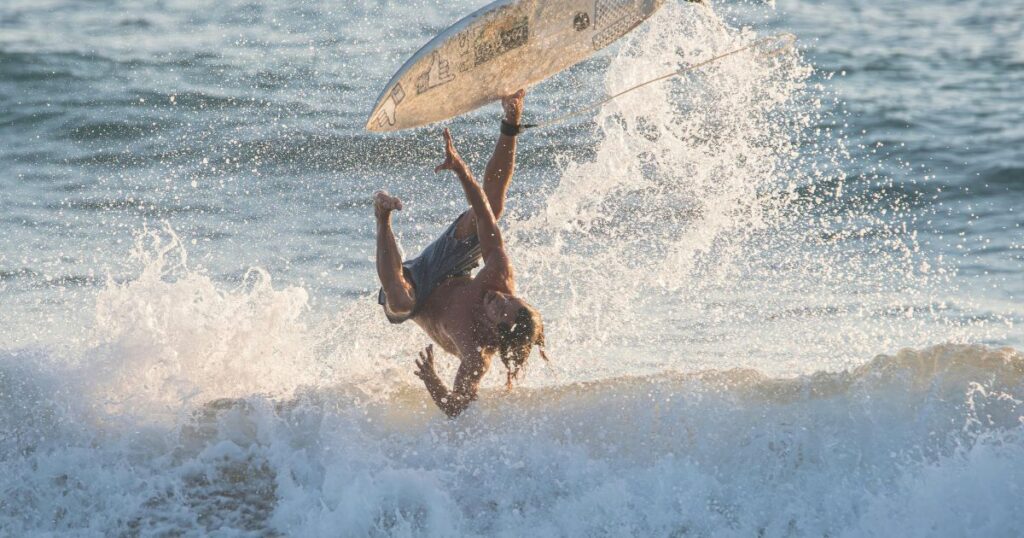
(452, 160)
(425, 366)
(467, 381)
(513, 105)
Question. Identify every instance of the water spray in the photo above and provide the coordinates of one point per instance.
(768, 47)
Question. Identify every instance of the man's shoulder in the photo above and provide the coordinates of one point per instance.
(497, 278)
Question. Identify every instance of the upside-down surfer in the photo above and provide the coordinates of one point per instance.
(470, 317)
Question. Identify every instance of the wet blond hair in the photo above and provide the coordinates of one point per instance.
(516, 341)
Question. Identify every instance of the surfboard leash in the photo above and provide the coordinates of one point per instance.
(784, 42)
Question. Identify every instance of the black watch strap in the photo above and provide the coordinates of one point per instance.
(509, 129)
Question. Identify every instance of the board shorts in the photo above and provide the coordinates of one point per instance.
(447, 257)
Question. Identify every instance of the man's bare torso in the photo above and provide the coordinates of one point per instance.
(448, 314)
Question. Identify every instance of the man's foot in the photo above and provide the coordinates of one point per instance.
(384, 204)
(513, 105)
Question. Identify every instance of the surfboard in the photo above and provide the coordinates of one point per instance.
(504, 46)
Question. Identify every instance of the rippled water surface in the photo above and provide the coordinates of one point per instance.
(782, 295)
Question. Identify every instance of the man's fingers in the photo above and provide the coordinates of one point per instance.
(426, 360)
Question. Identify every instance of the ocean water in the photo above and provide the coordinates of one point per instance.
(783, 295)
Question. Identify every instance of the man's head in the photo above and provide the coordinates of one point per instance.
(519, 327)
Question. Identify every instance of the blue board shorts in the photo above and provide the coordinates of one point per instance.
(447, 257)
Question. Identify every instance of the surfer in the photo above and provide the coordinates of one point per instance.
(470, 317)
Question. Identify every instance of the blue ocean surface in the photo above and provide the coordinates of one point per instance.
(783, 295)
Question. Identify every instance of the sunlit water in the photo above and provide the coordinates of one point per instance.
(782, 295)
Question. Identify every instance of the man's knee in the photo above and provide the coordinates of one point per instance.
(466, 226)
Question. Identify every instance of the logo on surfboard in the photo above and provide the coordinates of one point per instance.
(438, 74)
(614, 19)
(581, 21)
(492, 43)
(387, 116)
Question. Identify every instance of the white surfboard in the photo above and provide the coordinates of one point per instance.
(505, 46)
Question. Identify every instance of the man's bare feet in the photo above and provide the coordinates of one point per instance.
(384, 204)
(513, 105)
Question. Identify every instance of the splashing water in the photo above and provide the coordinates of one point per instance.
(171, 336)
(716, 221)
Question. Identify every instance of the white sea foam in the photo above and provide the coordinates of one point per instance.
(921, 443)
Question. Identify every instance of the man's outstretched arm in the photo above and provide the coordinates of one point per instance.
(487, 229)
(467, 382)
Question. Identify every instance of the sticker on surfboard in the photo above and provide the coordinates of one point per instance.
(505, 46)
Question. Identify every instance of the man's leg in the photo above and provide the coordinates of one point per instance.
(399, 292)
(500, 168)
